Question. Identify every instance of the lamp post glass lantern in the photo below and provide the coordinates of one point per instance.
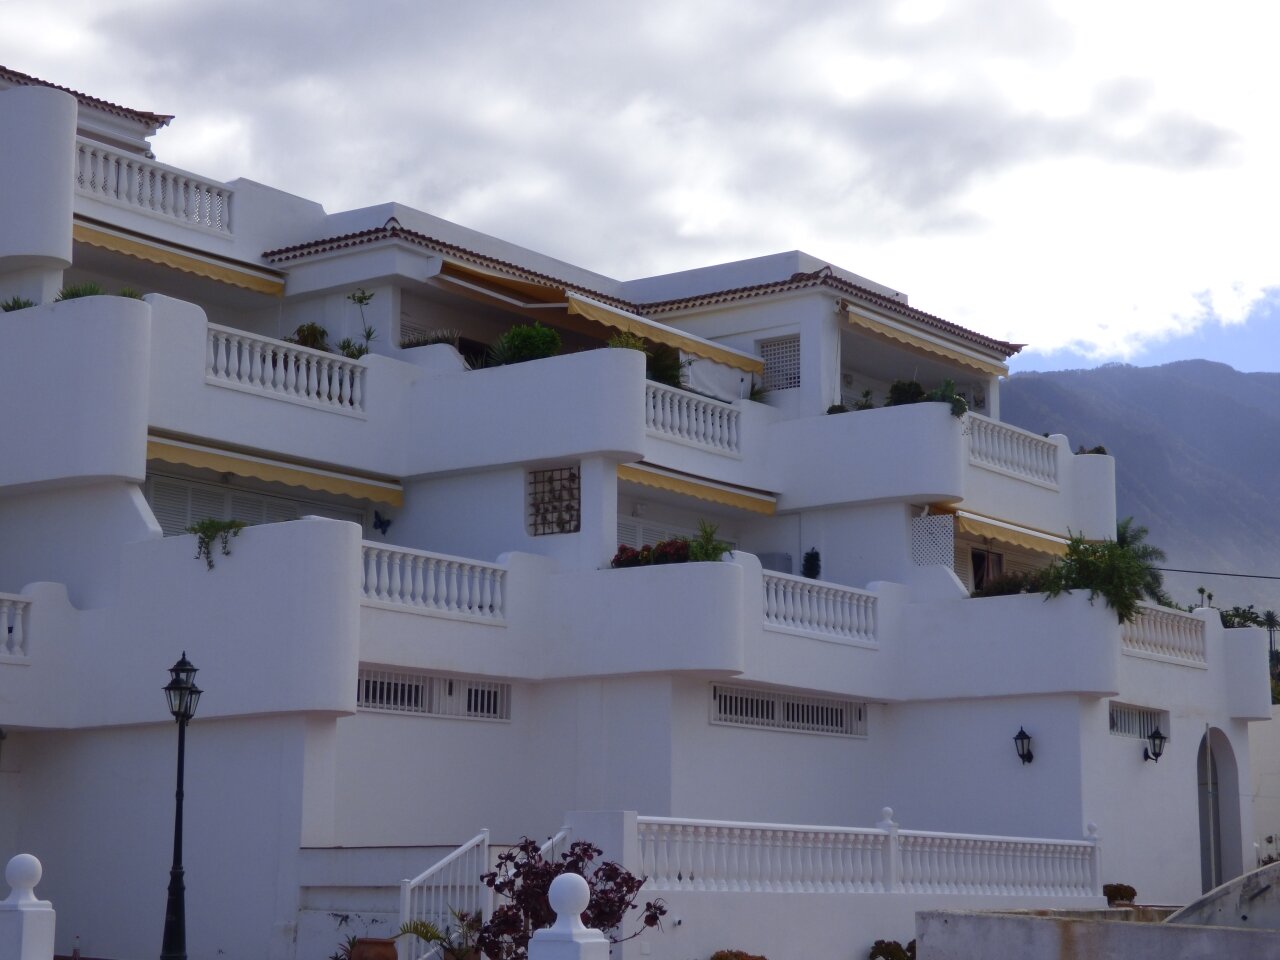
(1157, 740)
(183, 696)
(1022, 742)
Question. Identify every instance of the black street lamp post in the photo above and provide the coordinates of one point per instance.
(183, 695)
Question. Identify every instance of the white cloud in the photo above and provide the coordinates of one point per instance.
(1068, 173)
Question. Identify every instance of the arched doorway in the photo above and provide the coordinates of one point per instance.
(1219, 795)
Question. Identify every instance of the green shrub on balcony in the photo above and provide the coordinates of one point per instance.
(525, 342)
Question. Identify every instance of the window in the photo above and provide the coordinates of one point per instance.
(391, 691)
(178, 503)
(555, 501)
(987, 566)
(775, 710)
(781, 362)
(1136, 722)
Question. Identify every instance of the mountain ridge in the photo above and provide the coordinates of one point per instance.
(1197, 445)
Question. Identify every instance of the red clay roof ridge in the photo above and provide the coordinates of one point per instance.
(824, 276)
(143, 116)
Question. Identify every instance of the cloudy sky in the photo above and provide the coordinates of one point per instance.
(1095, 179)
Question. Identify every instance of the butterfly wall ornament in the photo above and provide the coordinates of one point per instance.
(381, 523)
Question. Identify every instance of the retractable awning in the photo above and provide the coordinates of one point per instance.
(922, 344)
(274, 471)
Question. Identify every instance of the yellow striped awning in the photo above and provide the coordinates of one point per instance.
(154, 251)
(274, 471)
(660, 333)
(753, 501)
(1011, 533)
(921, 344)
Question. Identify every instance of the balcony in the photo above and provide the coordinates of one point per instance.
(143, 185)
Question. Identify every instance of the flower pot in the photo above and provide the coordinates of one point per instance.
(374, 948)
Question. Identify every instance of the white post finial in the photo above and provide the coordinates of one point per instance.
(26, 924)
(22, 874)
(568, 939)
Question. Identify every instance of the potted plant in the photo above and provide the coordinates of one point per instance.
(457, 941)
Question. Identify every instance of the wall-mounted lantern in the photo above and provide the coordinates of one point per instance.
(1022, 741)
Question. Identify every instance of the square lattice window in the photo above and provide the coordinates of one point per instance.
(781, 362)
(555, 501)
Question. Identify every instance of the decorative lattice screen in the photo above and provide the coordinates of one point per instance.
(555, 501)
(933, 540)
(781, 362)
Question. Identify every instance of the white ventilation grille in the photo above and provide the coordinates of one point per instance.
(394, 691)
(774, 710)
(781, 362)
(1136, 722)
(933, 540)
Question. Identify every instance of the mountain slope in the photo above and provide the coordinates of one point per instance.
(1197, 448)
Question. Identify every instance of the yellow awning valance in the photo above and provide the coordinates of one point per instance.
(274, 471)
(660, 333)
(708, 490)
(155, 252)
(1025, 537)
(915, 342)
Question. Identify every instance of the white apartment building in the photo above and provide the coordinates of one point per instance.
(421, 635)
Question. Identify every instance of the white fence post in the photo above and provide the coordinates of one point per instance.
(568, 939)
(26, 924)
(892, 852)
(1095, 859)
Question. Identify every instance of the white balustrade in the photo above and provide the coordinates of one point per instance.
(686, 416)
(1162, 632)
(715, 855)
(452, 884)
(815, 606)
(135, 181)
(1019, 452)
(286, 371)
(434, 583)
(13, 625)
(995, 866)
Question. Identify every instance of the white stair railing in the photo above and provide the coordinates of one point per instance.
(135, 181)
(686, 416)
(452, 884)
(434, 583)
(1162, 632)
(1019, 452)
(13, 626)
(815, 606)
(282, 370)
(716, 855)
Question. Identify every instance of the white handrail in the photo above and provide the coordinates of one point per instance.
(451, 884)
(690, 418)
(815, 606)
(1013, 450)
(247, 361)
(1166, 633)
(717, 855)
(135, 181)
(433, 582)
(13, 625)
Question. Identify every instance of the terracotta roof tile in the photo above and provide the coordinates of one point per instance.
(142, 116)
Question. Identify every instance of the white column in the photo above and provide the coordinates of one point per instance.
(26, 924)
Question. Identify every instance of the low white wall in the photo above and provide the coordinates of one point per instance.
(74, 383)
(1264, 758)
(1007, 646)
(798, 925)
(969, 936)
(99, 805)
(845, 458)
